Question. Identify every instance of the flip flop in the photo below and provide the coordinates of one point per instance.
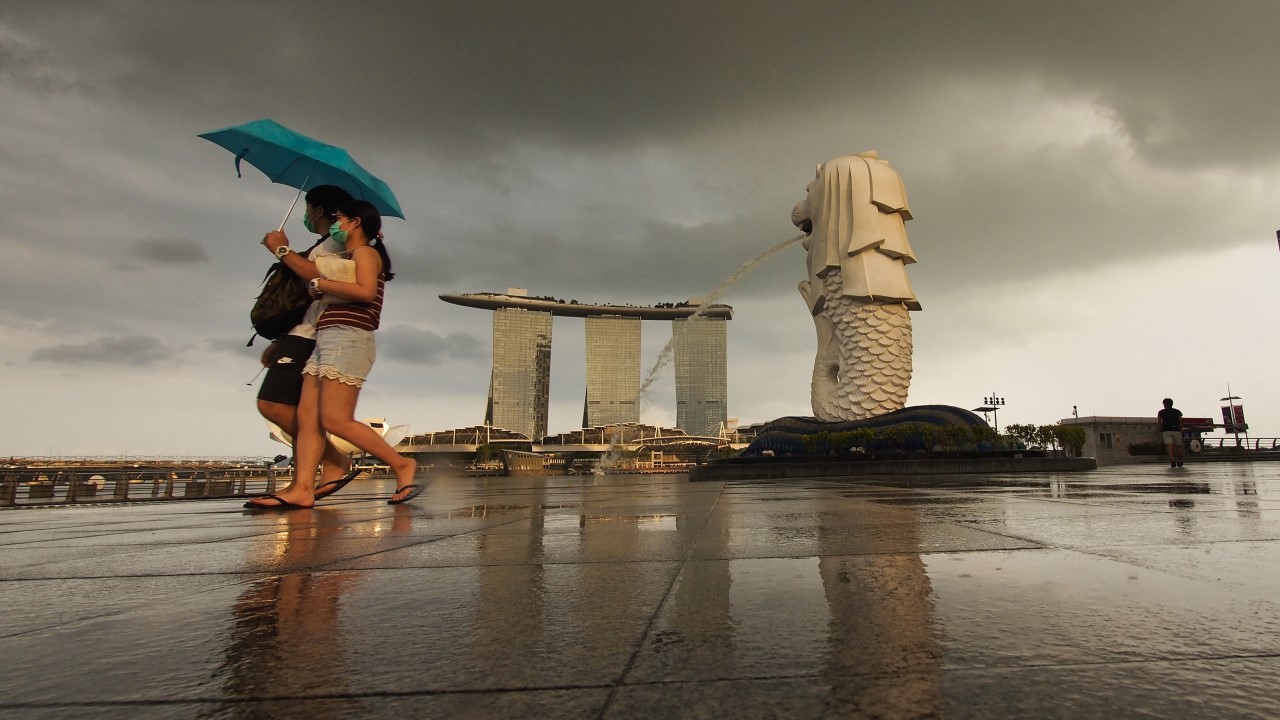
(416, 490)
(333, 486)
(282, 504)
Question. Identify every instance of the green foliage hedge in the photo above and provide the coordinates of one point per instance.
(916, 437)
(1147, 448)
(1069, 438)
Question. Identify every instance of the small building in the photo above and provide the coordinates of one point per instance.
(1107, 439)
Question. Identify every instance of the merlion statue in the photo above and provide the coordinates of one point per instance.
(853, 214)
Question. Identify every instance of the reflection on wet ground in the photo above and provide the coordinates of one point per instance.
(1136, 591)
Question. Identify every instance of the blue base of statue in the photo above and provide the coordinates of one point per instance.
(785, 436)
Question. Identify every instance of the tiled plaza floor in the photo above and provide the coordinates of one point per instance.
(1125, 592)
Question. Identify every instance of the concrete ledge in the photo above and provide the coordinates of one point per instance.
(781, 468)
(1213, 457)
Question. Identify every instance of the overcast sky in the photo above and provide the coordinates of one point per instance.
(1094, 184)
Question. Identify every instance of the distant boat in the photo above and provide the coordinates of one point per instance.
(392, 434)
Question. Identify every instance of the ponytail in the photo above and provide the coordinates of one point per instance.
(380, 245)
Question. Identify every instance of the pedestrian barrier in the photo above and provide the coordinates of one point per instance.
(29, 486)
(1230, 444)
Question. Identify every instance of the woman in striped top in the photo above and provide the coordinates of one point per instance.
(341, 361)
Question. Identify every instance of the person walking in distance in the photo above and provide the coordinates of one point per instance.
(1169, 423)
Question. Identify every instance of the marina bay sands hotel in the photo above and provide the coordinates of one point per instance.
(520, 384)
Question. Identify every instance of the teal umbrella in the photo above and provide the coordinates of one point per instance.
(293, 159)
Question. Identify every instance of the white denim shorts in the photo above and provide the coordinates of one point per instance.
(345, 354)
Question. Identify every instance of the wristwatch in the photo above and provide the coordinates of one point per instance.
(315, 284)
(282, 251)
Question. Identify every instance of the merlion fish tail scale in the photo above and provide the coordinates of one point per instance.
(863, 365)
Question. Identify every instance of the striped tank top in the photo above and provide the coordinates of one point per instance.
(360, 315)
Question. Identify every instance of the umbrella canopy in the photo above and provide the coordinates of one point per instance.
(293, 159)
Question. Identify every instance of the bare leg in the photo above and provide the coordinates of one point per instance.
(285, 416)
(336, 463)
(338, 416)
(308, 448)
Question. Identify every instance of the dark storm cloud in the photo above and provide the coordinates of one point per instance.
(171, 251)
(24, 64)
(448, 92)
(132, 350)
(658, 262)
(1050, 210)
(1183, 79)
(423, 347)
(455, 87)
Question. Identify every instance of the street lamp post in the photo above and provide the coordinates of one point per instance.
(992, 405)
(995, 403)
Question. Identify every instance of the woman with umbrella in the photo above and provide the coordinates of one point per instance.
(341, 361)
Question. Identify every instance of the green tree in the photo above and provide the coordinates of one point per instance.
(984, 433)
(897, 436)
(1070, 437)
(957, 437)
(1027, 434)
(821, 443)
(1044, 437)
(863, 438)
(932, 436)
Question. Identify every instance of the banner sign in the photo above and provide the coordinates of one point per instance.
(1233, 421)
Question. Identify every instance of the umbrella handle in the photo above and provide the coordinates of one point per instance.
(292, 206)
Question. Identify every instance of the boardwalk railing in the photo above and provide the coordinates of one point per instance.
(1232, 444)
(25, 486)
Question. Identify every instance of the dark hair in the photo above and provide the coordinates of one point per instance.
(371, 222)
(1168, 402)
(328, 198)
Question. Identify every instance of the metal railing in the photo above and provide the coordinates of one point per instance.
(1232, 444)
(30, 486)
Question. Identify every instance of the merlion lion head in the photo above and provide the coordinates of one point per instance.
(854, 212)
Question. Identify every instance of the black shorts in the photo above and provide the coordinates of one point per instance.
(283, 383)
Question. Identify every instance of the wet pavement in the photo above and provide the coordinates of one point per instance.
(1125, 592)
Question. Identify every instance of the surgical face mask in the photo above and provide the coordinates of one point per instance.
(337, 234)
(306, 221)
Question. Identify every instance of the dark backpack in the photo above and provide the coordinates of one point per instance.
(282, 303)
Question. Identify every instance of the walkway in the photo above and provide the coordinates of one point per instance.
(1122, 592)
